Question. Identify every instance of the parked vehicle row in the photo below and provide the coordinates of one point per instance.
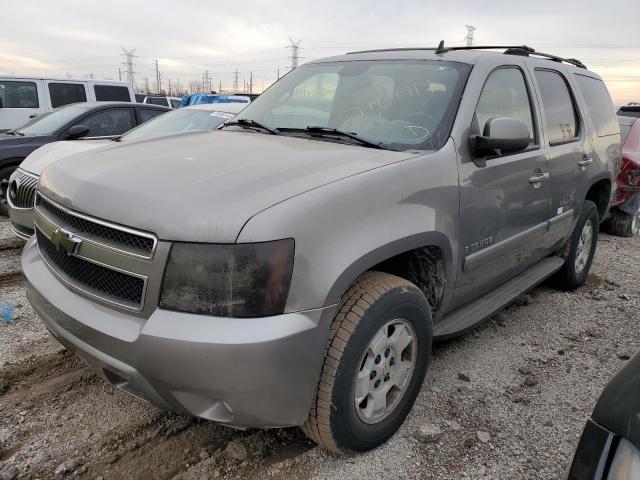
(22, 183)
(22, 98)
(89, 120)
(295, 267)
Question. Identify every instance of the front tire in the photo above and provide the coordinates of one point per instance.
(580, 249)
(376, 359)
(5, 173)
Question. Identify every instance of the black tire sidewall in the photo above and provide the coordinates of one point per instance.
(350, 433)
(572, 278)
(5, 172)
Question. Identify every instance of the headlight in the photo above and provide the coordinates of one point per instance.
(240, 280)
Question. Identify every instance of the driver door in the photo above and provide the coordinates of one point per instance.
(504, 199)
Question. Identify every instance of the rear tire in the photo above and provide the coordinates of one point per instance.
(376, 317)
(623, 224)
(580, 249)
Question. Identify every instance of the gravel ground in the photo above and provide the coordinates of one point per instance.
(507, 400)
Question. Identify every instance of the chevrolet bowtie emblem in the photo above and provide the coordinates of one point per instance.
(65, 241)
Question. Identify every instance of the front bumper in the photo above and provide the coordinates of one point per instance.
(21, 220)
(243, 372)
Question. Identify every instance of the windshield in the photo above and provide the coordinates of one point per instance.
(395, 104)
(49, 123)
(177, 121)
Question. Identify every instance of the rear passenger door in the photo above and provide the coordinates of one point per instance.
(109, 123)
(566, 141)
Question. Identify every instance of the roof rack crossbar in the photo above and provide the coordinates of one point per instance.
(522, 50)
(441, 48)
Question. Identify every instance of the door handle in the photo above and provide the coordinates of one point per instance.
(538, 178)
(586, 160)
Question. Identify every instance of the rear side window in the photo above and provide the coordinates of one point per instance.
(147, 114)
(599, 105)
(111, 93)
(158, 101)
(109, 122)
(504, 94)
(18, 94)
(561, 119)
(66, 93)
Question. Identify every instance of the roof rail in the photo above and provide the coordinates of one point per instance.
(522, 50)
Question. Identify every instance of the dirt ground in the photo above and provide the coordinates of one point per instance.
(507, 400)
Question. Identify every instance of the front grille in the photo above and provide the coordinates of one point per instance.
(22, 189)
(115, 237)
(97, 280)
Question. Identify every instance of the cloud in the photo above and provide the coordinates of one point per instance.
(192, 36)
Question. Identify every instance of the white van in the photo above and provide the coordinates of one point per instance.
(22, 98)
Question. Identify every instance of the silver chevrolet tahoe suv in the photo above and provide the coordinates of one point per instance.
(295, 267)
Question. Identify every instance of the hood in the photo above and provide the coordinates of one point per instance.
(12, 140)
(44, 156)
(201, 186)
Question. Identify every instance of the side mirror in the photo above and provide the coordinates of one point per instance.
(505, 134)
(77, 131)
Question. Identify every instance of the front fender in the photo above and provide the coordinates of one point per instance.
(346, 227)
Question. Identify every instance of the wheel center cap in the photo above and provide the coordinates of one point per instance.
(385, 368)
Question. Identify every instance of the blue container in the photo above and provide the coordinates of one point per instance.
(7, 313)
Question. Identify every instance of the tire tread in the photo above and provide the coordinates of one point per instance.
(367, 289)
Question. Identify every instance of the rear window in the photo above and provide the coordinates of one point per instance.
(111, 93)
(66, 93)
(147, 114)
(18, 94)
(157, 101)
(629, 111)
(624, 133)
(599, 105)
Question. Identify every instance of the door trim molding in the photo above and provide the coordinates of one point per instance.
(476, 259)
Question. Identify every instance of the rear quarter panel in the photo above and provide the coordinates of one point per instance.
(605, 150)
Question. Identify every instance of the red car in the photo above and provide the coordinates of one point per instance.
(625, 212)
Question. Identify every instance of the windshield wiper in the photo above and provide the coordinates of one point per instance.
(248, 122)
(338, 133)
(13, 132)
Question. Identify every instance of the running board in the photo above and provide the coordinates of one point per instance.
(460, 320)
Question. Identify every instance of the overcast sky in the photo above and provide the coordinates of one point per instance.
(189, 37)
